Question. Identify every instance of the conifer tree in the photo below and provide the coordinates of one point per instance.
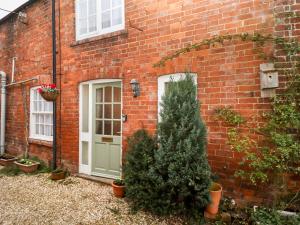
(181, 168)
(172, 175)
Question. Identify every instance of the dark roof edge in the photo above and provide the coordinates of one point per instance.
(16, 11)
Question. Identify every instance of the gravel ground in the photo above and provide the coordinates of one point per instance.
(38, 200)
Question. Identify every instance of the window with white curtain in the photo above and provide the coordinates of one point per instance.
(41, 122)
(97, 17)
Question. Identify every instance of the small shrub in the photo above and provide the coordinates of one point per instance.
(139, 159)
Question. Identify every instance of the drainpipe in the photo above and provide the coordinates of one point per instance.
(3, 108)
(54, 82)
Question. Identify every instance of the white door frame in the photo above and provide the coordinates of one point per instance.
(88, 136)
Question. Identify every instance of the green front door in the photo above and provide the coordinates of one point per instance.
(106, 153)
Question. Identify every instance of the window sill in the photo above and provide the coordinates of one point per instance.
(40, 142)
(100, 37)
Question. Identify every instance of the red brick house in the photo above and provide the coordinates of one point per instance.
(102, 46)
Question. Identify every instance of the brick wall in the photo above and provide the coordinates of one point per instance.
(31, 44)
(227, 75)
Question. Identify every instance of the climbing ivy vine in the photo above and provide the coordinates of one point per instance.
(272, 147)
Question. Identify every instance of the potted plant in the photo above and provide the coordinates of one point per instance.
(7, 160)
(58, 174)
(215, 192)
(27, 165)
(119, 188)
(49, 92)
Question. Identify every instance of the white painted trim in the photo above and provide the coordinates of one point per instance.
(88, 136)
(99, 30)
(161, 86)
(101, 81)
(32, 134)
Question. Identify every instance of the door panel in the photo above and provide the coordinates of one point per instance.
(107, 130)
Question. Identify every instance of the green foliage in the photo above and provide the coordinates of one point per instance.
(173, 176)
(272, 217)
(26, 162)
(140, 187)
(58, 170)
(279, 150)
(230, 116)
(181, 167)
(119, 182)
(12, 170)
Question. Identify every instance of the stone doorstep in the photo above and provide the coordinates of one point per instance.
(95, 178)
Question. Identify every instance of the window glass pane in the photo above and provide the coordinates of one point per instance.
(92, 23)
(117, 111)
(50, 107)
(51, 127)
(40, 105)
(106, 20)
(47, 119)
(105, 4)
(36, 129)
(116, 3)
(117, 128)
(92, 7)
(99, 126)
(117, 94)
(107, 111)
(99, 95)
(82, 26)
(41, 119)
(35, 106)
(99, 111)
(47, 130)
(82, 8)
(116, 16)
(108, 94)
(37, 118)
(34, 94)
(41, 129)
(107, 127)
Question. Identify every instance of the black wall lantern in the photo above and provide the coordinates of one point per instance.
(135, 86)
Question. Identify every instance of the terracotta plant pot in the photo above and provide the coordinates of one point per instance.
(119, 191)
(28, 168)
(58, 175)
(7, 160)
(49, 96)
(215, 195)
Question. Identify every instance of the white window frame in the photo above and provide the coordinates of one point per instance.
(32, 122)
(162, 80)
(99, 31)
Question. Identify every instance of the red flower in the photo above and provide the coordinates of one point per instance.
(53, 86)
(40, 90)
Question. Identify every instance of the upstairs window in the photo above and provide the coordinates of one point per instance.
(97, 17)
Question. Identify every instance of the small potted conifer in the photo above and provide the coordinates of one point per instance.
(118, 186)
(58, 174)
(49, 92)
(27, 165)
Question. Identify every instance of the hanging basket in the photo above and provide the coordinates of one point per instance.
(49, 96)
